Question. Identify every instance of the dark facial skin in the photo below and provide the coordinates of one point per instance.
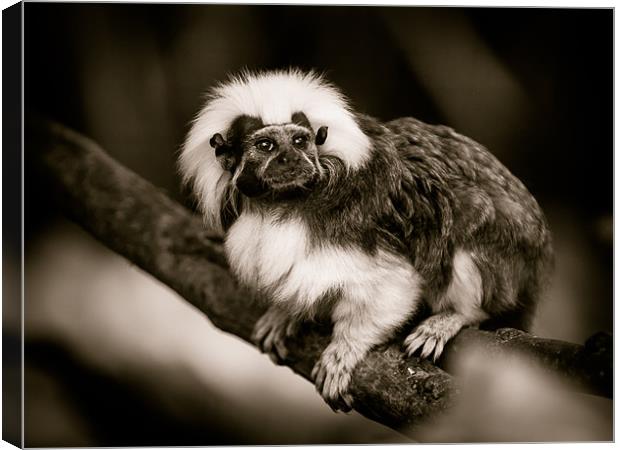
(277, 159)
(270, 161)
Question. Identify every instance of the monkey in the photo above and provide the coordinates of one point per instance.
(328, 212)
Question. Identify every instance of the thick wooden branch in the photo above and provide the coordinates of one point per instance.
(137, 220)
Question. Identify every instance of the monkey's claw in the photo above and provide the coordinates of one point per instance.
(271, 331)
(431, 336)
(332, 375)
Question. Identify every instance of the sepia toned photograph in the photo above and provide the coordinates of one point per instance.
(307, 224)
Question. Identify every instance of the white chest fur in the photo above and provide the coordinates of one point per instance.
(277, 256)
(261, 251)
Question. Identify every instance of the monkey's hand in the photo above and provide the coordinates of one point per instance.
(271, 331)
(332, 375)
(432, 334)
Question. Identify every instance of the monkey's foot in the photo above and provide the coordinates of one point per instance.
(332, 375)
(433, 333)
(271, 331)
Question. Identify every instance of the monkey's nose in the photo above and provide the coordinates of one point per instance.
(286, 159)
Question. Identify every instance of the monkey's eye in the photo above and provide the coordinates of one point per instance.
(264, 144)
(300, 141)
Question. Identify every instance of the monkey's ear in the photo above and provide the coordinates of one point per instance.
(218, 143)
(321, 136)
(223, 152)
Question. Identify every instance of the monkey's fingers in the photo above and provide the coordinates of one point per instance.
(438, 350)
(339, 404)
(280, 348)
(332, 378)
(269, 335)
(318, 375)
(335, 394)
(414, 341)
(292, 328)
(272, 319)
(323, 387)
(261, 329)
(270, 338)
(274, 345)
(430, 338)
(429, 346)
(348, 402)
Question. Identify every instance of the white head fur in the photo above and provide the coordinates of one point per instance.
(273, 97)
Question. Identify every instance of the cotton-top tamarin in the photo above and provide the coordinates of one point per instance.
(330, 212)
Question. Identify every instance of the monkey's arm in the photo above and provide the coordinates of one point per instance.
(361, 322)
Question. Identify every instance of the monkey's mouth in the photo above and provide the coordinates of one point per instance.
(275, 180)
(297, 179)
(275, 186)
(283, 177)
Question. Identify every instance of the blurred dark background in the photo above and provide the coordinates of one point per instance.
(114, 358)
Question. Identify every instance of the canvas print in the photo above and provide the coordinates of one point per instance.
(304, 224)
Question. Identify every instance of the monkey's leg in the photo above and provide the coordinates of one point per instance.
(459, 307)
(271, 331)
(358, 326)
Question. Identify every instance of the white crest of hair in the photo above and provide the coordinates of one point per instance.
(273, 97)
(300, 275)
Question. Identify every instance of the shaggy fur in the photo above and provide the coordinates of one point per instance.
(399, 215)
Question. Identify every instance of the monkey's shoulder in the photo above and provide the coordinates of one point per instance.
(480, 190)
(457, 155)
(462, 162)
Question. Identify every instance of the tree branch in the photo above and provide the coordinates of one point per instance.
(137, 220)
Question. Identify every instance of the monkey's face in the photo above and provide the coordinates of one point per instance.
(270, 161)
(277, 159)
